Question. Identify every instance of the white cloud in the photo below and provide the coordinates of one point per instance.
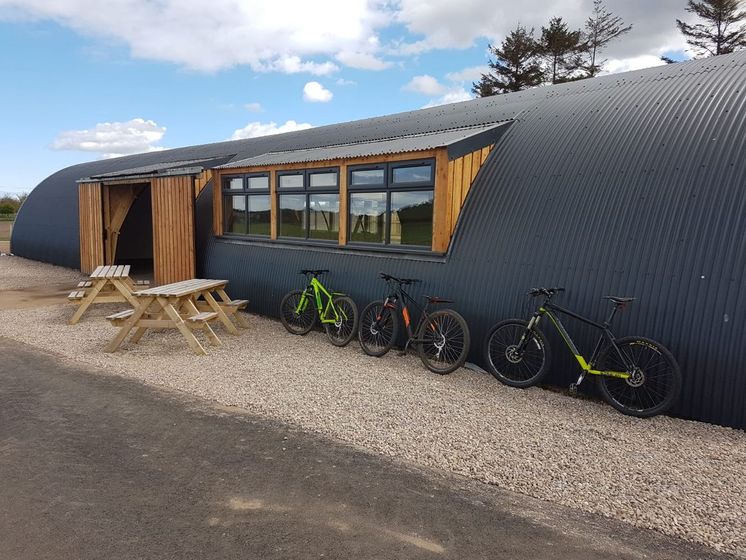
(615, 65)
(471, 74)
(289, 36)
(112, 139)
(363, 61)
(254, 107)
(452, 96)
(256, 129)
(316, 93)
(426, 85)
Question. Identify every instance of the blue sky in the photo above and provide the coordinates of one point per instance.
(85, 79)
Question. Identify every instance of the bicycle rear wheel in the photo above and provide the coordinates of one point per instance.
(655, 383)
(341, 332)
(379, 329)
(297, 318)
(509, 365)
(443, 341)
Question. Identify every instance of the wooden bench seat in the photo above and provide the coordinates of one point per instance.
(142, 283)
(203, 317)
(120, 317)
(237, 303)
(85, 284)
(76, 295)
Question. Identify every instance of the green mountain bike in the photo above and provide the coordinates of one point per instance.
(300, 310)
(636, 375)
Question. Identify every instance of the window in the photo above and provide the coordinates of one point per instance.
(392, 204)
(308, 203)
(246, 205)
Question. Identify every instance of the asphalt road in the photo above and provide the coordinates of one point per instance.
(100, 467)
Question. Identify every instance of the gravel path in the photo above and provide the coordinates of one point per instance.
(682, 478)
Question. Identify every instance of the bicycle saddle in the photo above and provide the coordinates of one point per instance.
(433, 299)
(619, 300)
(314, 272)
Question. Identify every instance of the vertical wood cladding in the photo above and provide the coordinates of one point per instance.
(91, 226)
(173, 229)
(461, 174)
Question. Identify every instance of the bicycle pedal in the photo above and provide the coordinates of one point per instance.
(573, 390)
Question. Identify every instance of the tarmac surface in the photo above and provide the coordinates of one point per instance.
(97, 466)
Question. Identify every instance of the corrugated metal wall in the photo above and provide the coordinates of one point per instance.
(630, 184)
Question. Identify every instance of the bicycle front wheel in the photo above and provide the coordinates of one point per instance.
(508, 363)
(344, 328)
(297, 312)
(378, 330)
(443, 341)
(654, 383)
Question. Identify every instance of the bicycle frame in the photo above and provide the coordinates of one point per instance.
(548, 308)
(399, 296)
(313, 293)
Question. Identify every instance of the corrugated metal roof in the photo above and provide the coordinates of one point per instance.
(408, 143)
(160, 168)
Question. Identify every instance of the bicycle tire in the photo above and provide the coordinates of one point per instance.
(299, 324)
(341, 334)
(510, 369)
(377, 343)
(659, 386)
(443, 341)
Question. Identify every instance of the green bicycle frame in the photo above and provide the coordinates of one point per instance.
(606, 335)
(313, 293)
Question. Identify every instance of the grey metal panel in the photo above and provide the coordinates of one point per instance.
(630, 184)
(160, 167)
(411, 143)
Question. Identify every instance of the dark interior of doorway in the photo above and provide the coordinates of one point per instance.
(135, 244)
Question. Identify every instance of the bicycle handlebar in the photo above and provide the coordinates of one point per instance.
(314, 272)
(390, 278)
(548, 292)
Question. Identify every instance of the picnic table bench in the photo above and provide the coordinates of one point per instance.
(187, 306)
(107, 284)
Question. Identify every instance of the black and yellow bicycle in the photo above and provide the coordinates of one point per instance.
(636, 375)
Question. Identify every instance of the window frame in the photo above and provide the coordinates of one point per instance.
(388, 188)
(246, 193)
(307, 191)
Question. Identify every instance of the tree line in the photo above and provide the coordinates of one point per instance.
(10, 204)
(561, 54)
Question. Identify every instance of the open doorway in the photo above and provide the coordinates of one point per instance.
(135, 241)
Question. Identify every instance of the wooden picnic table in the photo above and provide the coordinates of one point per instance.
(107, 284)
(177, 306)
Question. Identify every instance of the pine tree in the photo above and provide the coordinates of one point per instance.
(516, 65)
(601, 28)
(562, 50)
(722, 31)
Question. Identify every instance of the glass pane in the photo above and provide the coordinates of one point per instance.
(291, 181)
(412, 218)
(259, 183)
(259, 215)
(235, 184)
(326, 179)
(368, 177)
(293, 215)
(323, 216)
(416, 174)
(234, 214)
(368, 217)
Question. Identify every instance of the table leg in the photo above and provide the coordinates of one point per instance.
(141, 330)
(211, 336)
(185, 331)
(125, 291)
(87, 301)
(221, 314)
(225, 299)
(127, 327)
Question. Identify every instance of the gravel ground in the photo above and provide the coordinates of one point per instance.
(679, 477)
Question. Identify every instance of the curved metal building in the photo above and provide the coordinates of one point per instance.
(632, 184)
